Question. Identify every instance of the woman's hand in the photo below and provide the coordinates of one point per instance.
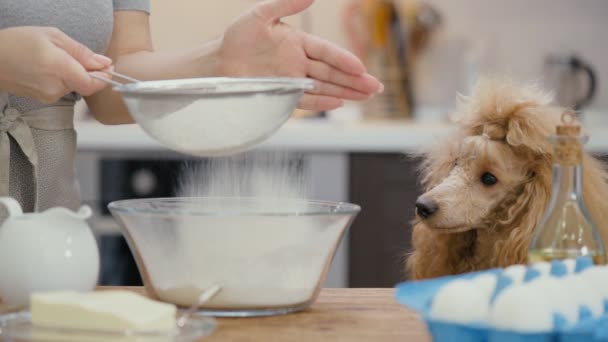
(45, 64)
(259, 44)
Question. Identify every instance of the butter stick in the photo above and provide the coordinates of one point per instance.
(104, 310)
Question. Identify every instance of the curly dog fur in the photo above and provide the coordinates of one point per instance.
(502, 130)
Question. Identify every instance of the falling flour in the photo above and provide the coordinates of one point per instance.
(261, 261)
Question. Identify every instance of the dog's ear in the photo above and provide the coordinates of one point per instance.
(530, 127)
(439, 160)
(524, 215)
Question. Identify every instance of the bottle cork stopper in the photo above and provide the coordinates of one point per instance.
(568, 127)
(568, 151)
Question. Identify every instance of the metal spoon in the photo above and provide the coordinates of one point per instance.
(204, 297)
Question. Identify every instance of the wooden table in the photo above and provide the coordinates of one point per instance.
(338, 315)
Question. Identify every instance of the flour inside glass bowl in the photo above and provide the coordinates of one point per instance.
(257, 238)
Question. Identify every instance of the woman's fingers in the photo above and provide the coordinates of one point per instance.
(75, 77)
(328, 53)
(333, 90)
(274, 10)
(363, 83)
(319, 102)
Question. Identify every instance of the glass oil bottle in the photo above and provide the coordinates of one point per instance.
(567, 230)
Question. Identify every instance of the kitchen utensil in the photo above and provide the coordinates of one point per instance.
(115, 74)
(366, 23)
(398, 53)
(426, 20)
(51, 250)
(202, 299)
(389, 36)
(213, 116)
(18, 327)
(573, 80)
(269, 255)
(160, 111)
(168, 108)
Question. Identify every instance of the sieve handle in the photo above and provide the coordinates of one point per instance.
(115, 74)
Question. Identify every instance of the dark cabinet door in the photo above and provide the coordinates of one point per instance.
(386, 187)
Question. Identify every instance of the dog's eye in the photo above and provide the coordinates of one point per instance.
(455, 163)
(488, 179)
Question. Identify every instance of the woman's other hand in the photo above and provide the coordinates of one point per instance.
(259, 44)
(45, 64)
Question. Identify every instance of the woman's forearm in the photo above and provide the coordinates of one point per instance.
(107, 106)
(158, 65)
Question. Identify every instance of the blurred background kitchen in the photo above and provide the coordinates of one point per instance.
(425, 52)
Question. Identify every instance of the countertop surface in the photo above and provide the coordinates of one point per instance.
(338, 315)
(297, 134)
(343, 131)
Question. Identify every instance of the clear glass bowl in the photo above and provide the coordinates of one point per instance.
(18, 327)
(270, 256)
(213, 116)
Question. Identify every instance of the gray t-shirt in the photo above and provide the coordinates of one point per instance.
(87, 21)
(44, 176)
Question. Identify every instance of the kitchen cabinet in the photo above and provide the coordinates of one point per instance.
(386, 186)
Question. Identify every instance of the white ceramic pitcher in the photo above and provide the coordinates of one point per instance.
(48, 251)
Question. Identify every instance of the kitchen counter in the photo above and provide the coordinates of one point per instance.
(319, 135)
(338, 315)
(343, 132)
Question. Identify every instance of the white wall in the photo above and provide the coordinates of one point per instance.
(519, 33)
(184, 22)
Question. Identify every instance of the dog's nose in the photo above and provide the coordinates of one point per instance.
(425, 207)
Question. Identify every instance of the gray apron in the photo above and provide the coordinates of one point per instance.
(37, 151)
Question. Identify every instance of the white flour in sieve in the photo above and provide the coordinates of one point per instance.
(260, 261)
(218, 124)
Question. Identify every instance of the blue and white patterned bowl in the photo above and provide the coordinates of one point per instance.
(419, 295)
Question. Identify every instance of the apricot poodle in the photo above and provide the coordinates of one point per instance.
(488, 184)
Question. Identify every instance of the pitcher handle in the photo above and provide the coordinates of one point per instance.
(12, 206)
